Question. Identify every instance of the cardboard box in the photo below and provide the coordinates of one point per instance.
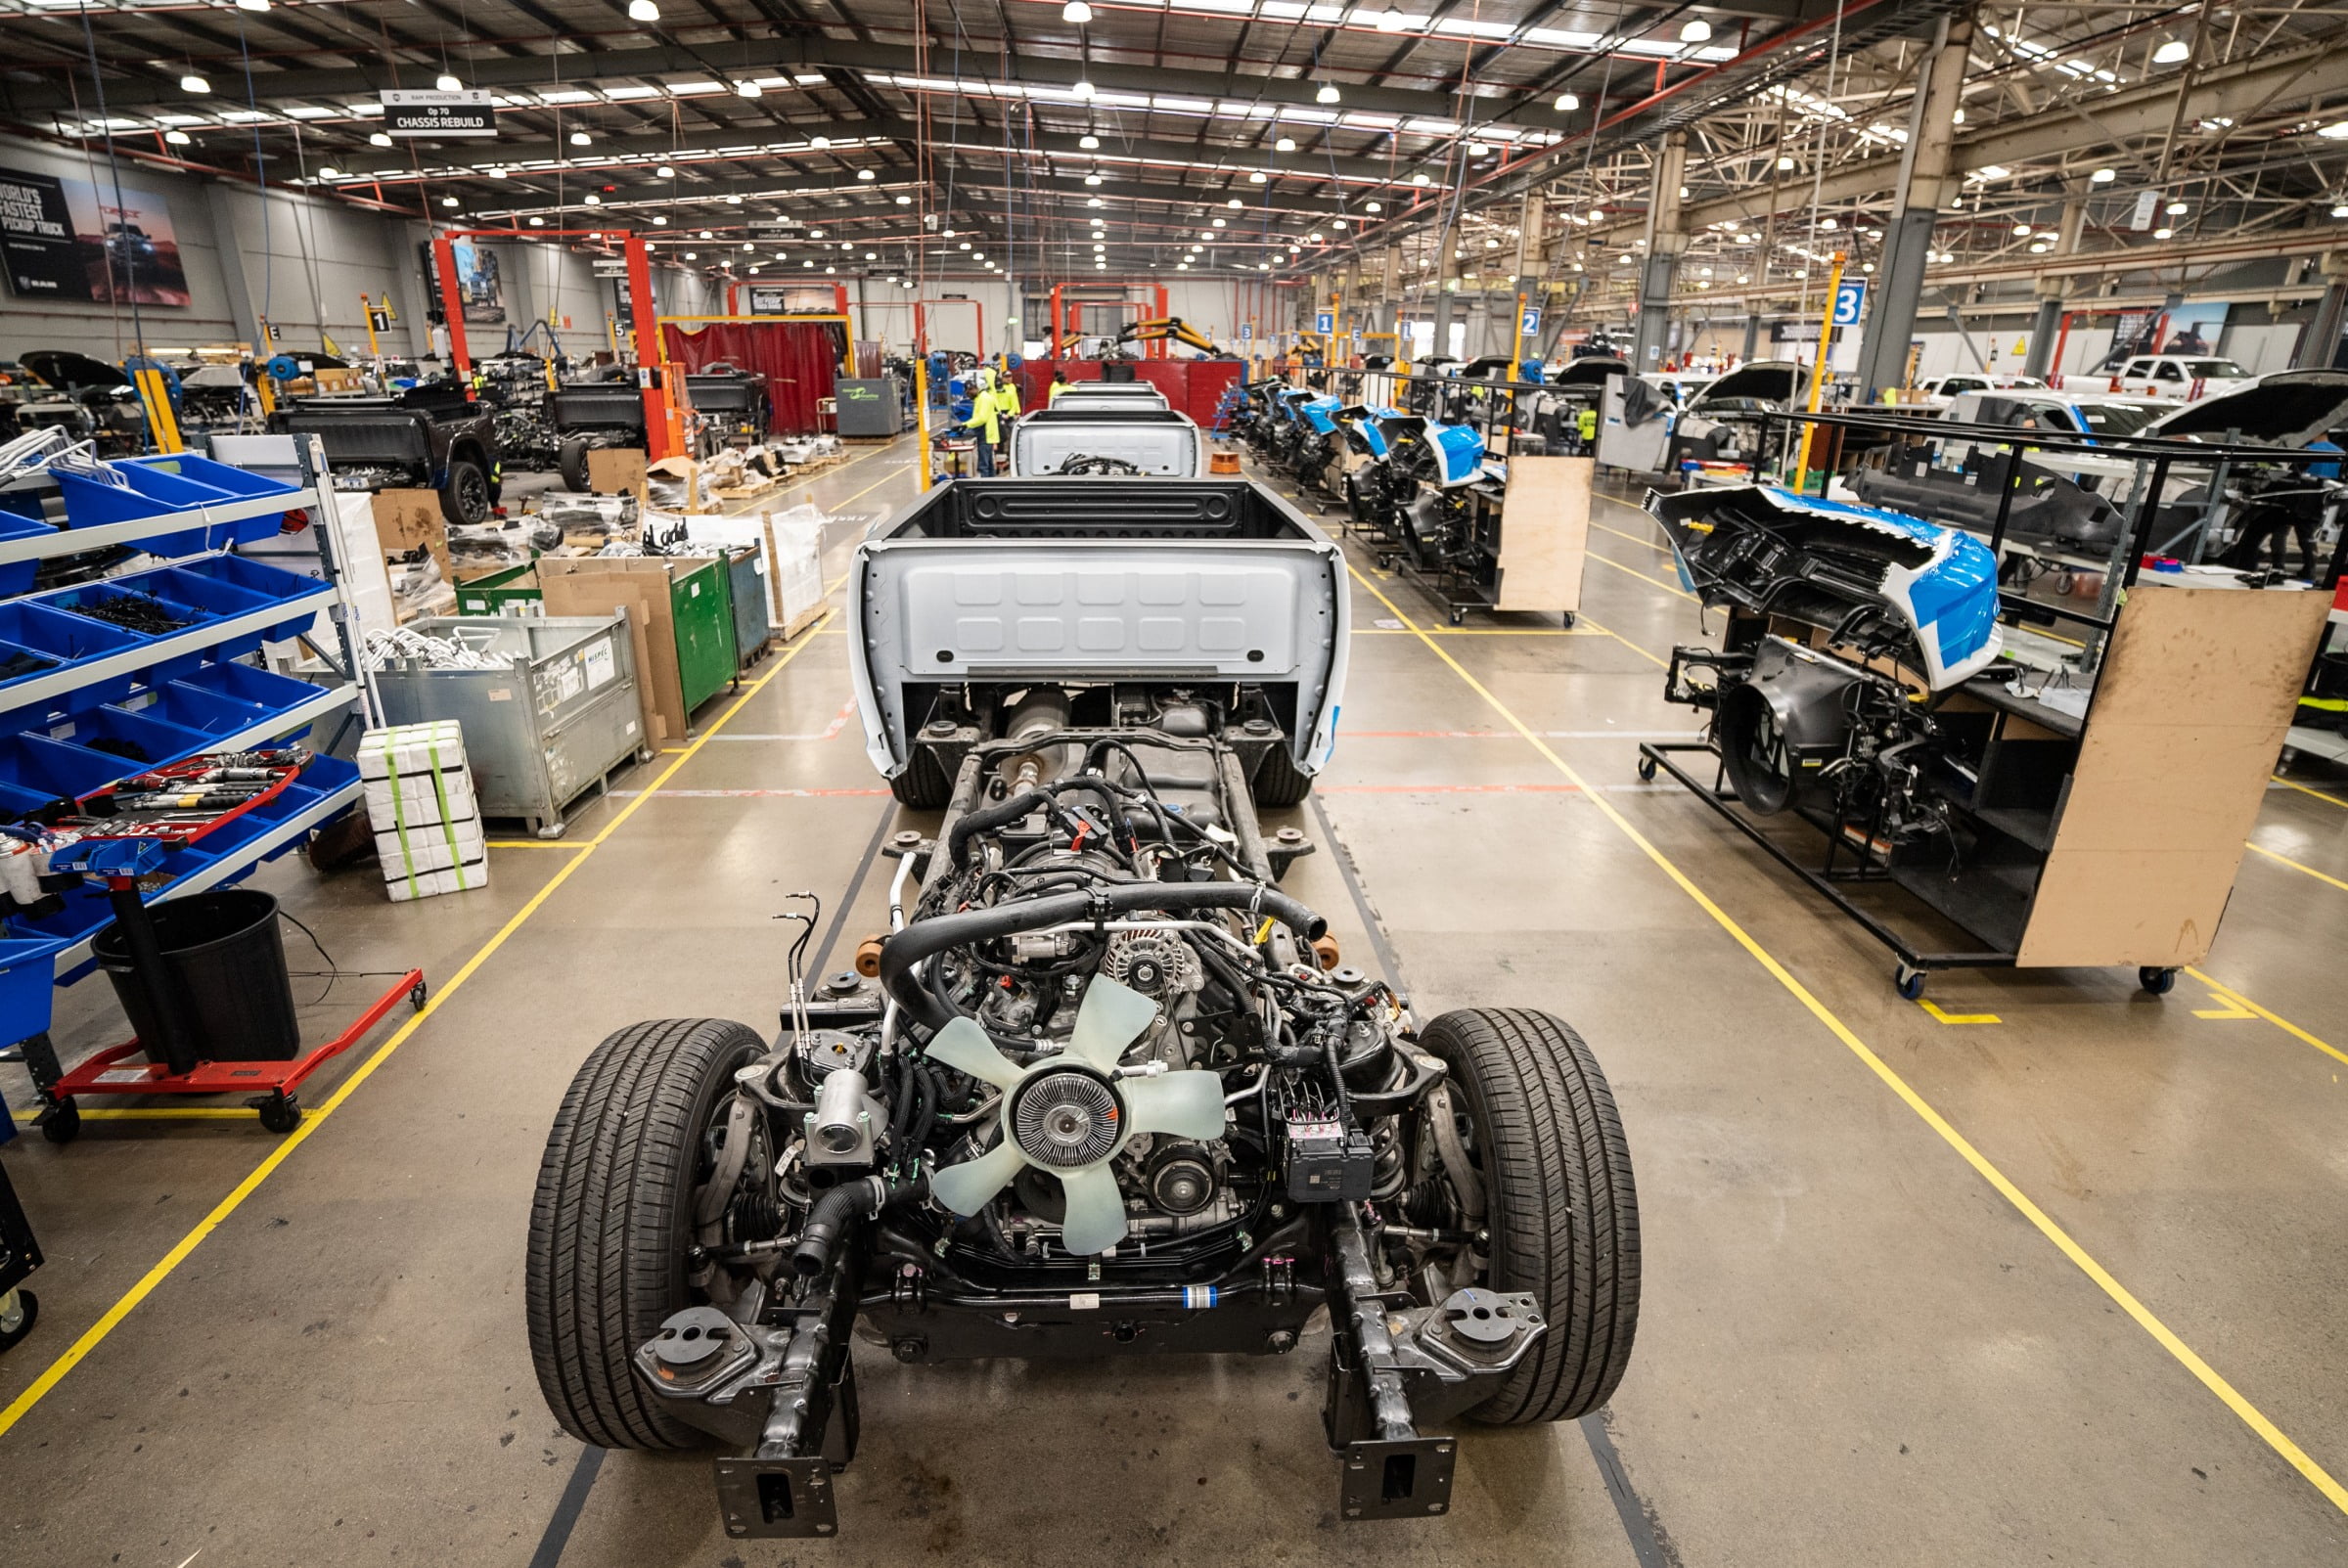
(595, 585)
(409, 519)
(617, 471)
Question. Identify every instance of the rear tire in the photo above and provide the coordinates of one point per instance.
(612, 1219)
(1559, 1204)
(925, 784)
(572, 463)
(1277, 781)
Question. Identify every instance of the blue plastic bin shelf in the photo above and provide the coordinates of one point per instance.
(166, 505)
(84, 702)
(235, 604)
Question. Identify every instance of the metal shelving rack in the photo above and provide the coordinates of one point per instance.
(331, 787)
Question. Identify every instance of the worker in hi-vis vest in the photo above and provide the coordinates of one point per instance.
(987, 418)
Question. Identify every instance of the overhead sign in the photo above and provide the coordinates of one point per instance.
(1246, 330)
(1850, 303)
(609, 267)
(421, 113)
(1530, 325)
(1325, 321)
(2141, 218)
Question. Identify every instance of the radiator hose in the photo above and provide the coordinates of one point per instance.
(903, 953)
(830, 1217)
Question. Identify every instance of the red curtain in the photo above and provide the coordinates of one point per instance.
(799, 359)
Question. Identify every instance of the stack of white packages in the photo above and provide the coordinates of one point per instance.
(428, 825)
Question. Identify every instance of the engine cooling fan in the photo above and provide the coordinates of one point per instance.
(1066, 1115)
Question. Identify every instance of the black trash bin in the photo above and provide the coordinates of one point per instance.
(225, 952)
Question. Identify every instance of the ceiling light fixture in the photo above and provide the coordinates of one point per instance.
(1699, 31)
(1391, 21)
(177, 138)
(537, 223)
(2104, 177)
(643, 11)
(1287, 144)
(2175, 51)
(1077, 12)
(1373, 207)
(665, 172)
(1092, 179)
(903, 200)
(866, 174)
(659, 221)
(193, 83)
(734, 201)
(2177, 209)
(1083, 89)
(373, 139)
(1567, 103)
(1257, 178)
(592, 200)
(2162, 234)
(581, 138)
(1326, 94)
(2339, 132)
(448, 85)
(1090, 143)
(749, 88)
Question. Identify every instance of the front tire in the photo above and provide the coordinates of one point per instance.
(572, 462)
(465, 500)
(612, 1219)
(1559, 1206)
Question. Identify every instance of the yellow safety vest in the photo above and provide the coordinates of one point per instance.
(986, 416)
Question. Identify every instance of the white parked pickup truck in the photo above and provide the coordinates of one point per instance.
(2180, 376)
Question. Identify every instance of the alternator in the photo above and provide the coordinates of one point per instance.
(1155, 965)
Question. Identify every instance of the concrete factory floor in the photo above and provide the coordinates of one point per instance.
(2045, 1271)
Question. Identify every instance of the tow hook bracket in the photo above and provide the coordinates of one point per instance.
(788, 1499)
(1408, 1478)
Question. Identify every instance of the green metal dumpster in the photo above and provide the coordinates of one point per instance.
(700, 598)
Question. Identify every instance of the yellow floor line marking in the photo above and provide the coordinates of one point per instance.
(96, 1333)
(2207, 1375)
(2278, 778)
(2286, 860)
(1958, 1017)
(535, 843)
(1669, 587)
(1632, 537)
(2227, 994)
(1652, 659)
(2223, 1010)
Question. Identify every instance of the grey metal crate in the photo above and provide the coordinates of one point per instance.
(547, 728)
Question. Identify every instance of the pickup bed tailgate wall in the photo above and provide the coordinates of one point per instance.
(1269, 613)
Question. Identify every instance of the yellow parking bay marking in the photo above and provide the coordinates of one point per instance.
(1958, 1017)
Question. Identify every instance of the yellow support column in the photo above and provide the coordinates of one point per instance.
(1817, 377)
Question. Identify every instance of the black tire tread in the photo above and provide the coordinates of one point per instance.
(571, 461)
(925, 784)
(1277, 781)
(1559, 1203)
(609, 1219)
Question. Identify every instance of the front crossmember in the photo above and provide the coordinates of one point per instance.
(784, 1390)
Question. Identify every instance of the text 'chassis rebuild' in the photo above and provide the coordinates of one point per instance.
(1113, 1093)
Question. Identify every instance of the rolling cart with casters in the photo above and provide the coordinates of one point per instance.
(117, 850)
(20, 1256)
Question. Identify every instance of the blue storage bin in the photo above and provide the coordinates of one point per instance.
(27, 972)
(271, 583)
(73, 601)
(16, 576)
(157, 739)
(144, 493)
(32, 626)
(269, 692)
(206, 709)
(236, 482)
(36, 770)
(209, 594)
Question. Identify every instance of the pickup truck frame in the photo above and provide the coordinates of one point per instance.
(430, 439)
(1212, 599)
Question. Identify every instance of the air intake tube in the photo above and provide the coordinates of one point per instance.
(902, 954)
